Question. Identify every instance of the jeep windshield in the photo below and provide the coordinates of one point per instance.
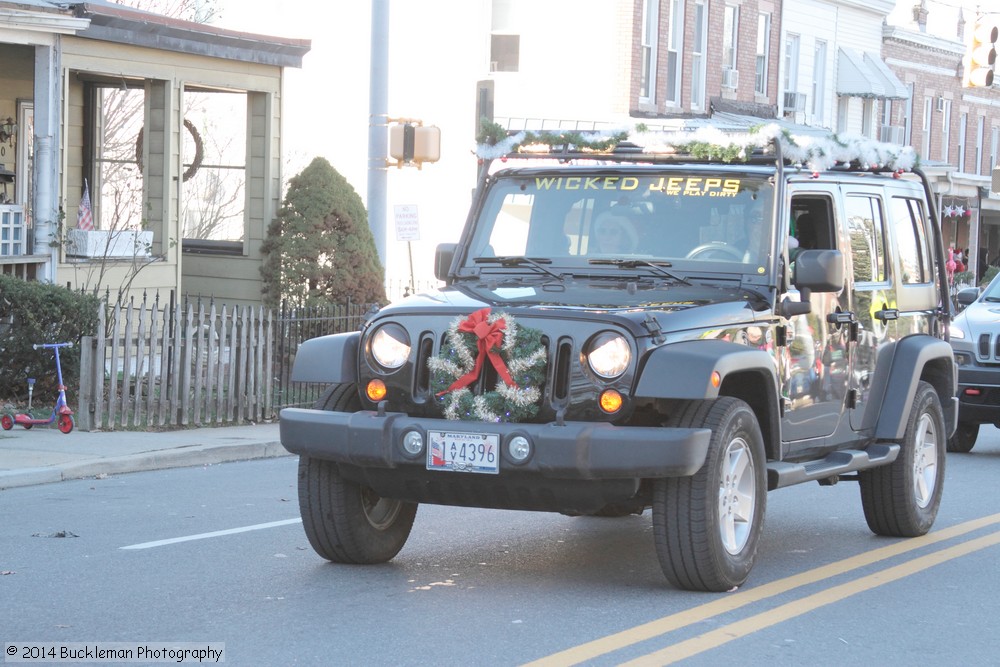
(601, 219)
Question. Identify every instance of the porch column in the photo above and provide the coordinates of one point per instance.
(45, 200)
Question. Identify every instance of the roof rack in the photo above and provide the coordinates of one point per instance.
(765, 144)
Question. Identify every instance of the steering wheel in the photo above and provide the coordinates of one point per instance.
(707, 249)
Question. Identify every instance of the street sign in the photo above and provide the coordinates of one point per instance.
(407, 222)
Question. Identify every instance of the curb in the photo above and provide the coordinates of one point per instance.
(195, 455)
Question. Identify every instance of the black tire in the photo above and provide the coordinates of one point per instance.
(964, 439)
(702, 544)
(345, 521)
(902, 499)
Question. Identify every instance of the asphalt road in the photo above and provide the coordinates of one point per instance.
(156, 556)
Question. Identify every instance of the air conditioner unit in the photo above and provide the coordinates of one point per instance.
(892, 134)
(730, 77)
(795, 102)
(939, 104)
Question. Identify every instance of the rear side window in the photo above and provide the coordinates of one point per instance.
(867, 230)
(910, 226)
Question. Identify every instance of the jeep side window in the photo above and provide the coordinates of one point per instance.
(911, 237)
(867, 232)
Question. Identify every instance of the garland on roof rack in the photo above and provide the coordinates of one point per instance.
(515, 352)
(812, 151)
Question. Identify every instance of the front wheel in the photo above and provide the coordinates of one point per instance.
(7, 422)
(707, 526)
(65, 423)
(347, 522)
(902, 499)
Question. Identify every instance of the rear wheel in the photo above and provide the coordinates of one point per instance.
(964, 439)
(347, 522)
(902, 499)
(707, 526)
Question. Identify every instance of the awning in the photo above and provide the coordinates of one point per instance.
(867, 75)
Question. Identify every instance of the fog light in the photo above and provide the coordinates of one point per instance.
(376, 390)
(413, 442)
(519, 448)
(611, 401)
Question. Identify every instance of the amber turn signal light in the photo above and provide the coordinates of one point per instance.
(611, 401)
(376, 390)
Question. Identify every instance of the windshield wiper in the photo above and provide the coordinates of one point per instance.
(658, 267)
(536, 263)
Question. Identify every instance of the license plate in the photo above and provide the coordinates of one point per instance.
(464, 452)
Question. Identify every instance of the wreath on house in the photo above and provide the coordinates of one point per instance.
(199, 150)
(517, 354)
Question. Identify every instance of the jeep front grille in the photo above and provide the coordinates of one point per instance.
(988, 348)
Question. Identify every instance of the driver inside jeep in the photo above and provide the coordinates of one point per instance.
(615, 234)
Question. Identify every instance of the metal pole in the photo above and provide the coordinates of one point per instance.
(378, 138)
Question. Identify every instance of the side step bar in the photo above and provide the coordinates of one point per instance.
(781, 473)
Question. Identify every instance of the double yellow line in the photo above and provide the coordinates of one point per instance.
(727, 603)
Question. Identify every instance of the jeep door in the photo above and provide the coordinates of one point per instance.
(818, 363)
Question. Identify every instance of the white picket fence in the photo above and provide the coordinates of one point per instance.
(149, 366)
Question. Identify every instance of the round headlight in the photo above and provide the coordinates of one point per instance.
(609, 356)
(391, 346)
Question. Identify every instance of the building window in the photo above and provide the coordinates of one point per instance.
(819, 83)
(650, 33)
(730, 39)
(675, 46)
(980, 137)
(763, 51)
(945, 130)
(114, 119)
(698, 52)
(505, 41)
(994, 146)
(791, 63)
(928, 110)
(963, 122)
(908, 120)
(215, 189)
(867, 112)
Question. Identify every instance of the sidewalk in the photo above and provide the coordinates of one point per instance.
(44, 455)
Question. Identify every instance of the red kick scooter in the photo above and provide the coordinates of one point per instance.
(60, 412)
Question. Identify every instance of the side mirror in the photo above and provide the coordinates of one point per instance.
(967, 296)
(819, 271)
(443, 257)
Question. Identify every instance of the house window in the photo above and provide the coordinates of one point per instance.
(908, 120)
(730, 37)
(945, 130)
(963, 121)
(980, 136)
(819, 83)
(791, 70)
(650, 32)
(698, 50)
(867, 113)
(675, 46)
(763, 51)
(215, 177)
(114, 115)
(994, 146)
(928, 106)
(505, 42)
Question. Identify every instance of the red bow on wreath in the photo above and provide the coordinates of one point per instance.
(488, 339)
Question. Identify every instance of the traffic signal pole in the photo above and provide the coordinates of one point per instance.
(378, 140)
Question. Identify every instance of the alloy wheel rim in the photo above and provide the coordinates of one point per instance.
(737, 496)
(380, 512)
(925, 461)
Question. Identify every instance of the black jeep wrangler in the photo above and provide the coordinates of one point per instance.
(630, 328)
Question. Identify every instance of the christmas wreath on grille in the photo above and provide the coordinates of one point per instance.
(515, 352)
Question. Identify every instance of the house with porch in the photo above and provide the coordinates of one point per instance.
(138, 152)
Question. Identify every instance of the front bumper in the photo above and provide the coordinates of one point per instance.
(982, 405)
(576, 467)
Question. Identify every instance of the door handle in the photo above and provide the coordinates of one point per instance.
(887, 314)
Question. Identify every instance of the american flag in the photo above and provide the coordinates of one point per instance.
(84, 215)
